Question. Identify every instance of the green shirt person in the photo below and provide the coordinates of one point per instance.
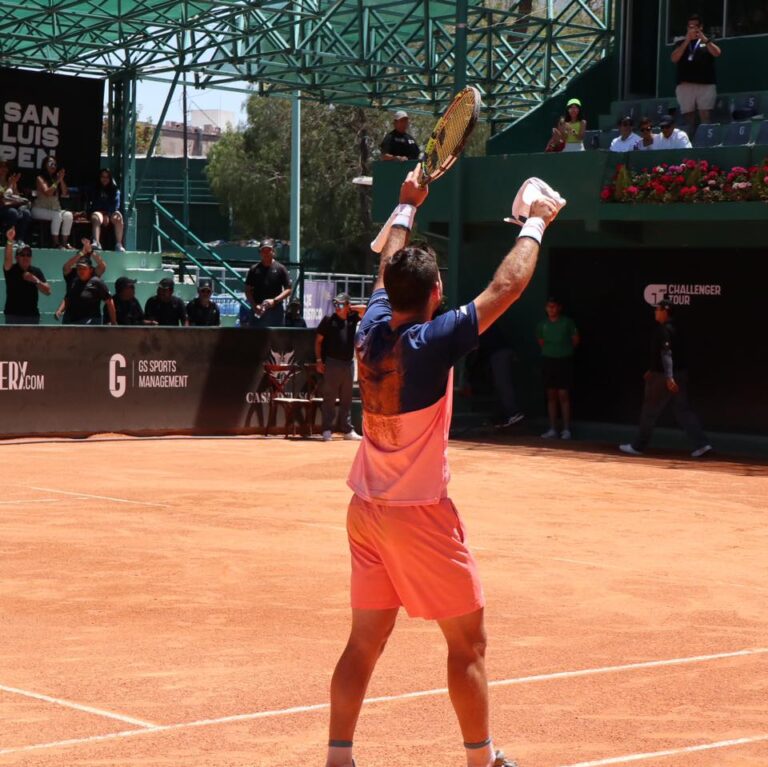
(558, 338)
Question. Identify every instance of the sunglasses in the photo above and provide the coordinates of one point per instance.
(645, 130)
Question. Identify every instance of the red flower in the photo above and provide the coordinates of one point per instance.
(606, 194)
(680, 179)
(690, 164)
(632, 191)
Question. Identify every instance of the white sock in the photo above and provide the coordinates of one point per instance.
(339, 754)
(480, 754)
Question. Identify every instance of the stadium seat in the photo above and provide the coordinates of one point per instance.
(744, 106)
(631, 108)
(606, 137)
(722, 111)
(762, 134)
(657, 109)
(708, 134)
(592, 139)
(738, 134)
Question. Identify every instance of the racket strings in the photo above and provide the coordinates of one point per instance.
(451, 132)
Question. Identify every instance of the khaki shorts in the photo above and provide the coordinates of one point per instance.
(693, 96)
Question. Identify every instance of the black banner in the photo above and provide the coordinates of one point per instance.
(88, 380)
(42, 114)
(718, 306)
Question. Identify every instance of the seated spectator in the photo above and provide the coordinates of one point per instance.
(571, 127)
(51, 186)
(670, 137)
(82, 305)
(14, 209)
(293, 318)
(165, 308)
(23, 282)
(646, 135)
(398, 144)
(127, 308)
(104, 209)
(203, 312)
(627, 139)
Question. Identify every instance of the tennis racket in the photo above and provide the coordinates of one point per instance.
(444, 146)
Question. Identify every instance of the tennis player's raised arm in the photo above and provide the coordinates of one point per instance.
(516, 270)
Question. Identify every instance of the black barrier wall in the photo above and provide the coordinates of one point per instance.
(88, 380)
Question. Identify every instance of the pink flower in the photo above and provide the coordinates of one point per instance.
(690, 164)
(606, 194)
(632, 191)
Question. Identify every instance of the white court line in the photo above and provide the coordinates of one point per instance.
(382, 699)
(31, 500)
(671, 752)
(76, 706)
(97, 497)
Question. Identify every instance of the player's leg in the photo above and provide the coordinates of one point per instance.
(655, 399)
(552, 406)
(685, 415)
(564, 399)
(331, 388)
(345, 397)
(367, 638)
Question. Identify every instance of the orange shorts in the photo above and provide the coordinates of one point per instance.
(414, 556)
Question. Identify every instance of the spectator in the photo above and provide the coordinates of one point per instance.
(627, 140)
(84, 297)
(293, 315)
(398, 144)
(266, 285)
(70, 273)
(695, 58)
(571, 127)
(334, 353)
(165, 308)
(23, 282)
(665, 379)
(246, 318)
(203, 312)
(670, 137)
(646, 135)
(501, 357)
(558, 338)
(128, 310)
(14, 209)
(51, 186)
(104, 207)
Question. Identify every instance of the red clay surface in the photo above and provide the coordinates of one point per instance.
(174, 582)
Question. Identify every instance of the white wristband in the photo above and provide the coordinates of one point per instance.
(404, 216)
(533, 228)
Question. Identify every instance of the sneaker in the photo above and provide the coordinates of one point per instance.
(700, 451)
(511, 421)
(565, 434)
(352, 436)
(502, 761)
(96, 245)
(550, 434)
(119, 248)
(326, 436)
(628, 449)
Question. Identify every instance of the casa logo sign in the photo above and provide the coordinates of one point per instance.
(144, 374)
(15, 375)
(679, 295)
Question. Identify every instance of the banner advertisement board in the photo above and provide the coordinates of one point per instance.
(318, 297)
(611, 295)
(43, 114)
(144, 380)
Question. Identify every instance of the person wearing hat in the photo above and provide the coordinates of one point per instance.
(627, 140)
(165, 308)
(670, 137)
(267, 284)
(23, 284)
(334, 354)
(571, 127)
(85, 294)
(667, 379)
(127, 308)
(398, 144)
(293, 315)
(203, 312)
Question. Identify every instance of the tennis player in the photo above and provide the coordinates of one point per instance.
(406, 537)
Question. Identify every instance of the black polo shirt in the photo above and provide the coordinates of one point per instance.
(697, 65)
(339, 336)
(267, 281)
(204, 316)
(667, 337)
(21, 296)
(400, 145)
(172, 313)
(84, 299)
(128, 312)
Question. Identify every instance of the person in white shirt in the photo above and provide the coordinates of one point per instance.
(670, 137)
(627, 138)
(647, 136)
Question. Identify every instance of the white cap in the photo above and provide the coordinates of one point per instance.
(400, 114)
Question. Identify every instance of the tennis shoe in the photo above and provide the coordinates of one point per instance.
(120, 248)
(96, 245)
(352, 436)
(550, 434)
(502, 761)
(629, 450)
(701, 451)
(327, 436)
(566, 434)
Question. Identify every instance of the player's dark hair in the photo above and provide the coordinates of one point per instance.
(666, 305)
(696, 17)
(409, 278)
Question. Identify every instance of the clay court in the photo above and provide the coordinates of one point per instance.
(183, 602)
